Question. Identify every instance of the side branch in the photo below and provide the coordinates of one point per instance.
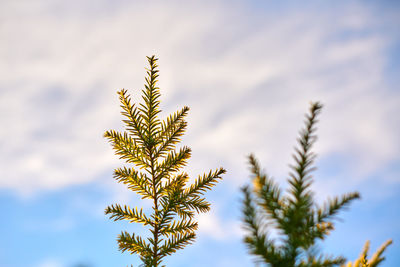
(136, 181)
(133, 244)
(172, 163)
(171, 131)
(176, 242)
(204, 183)
(333, 206)
(127, 149)
(126, 213)
(134, 122)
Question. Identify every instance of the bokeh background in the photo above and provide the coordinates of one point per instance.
(247, 69)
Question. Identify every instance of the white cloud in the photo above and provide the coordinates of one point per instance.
(247, 76)
(211, 225)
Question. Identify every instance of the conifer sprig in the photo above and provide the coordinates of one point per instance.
(374, 261)
(296, 216)
(148, 145)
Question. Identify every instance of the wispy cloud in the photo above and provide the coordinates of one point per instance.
(247, 75)
(213, 226)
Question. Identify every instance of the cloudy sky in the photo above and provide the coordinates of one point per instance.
(247, 69)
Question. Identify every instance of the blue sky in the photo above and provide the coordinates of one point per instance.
(247, 70)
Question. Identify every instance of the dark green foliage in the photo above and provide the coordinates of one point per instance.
(299, 221)
(148, 145)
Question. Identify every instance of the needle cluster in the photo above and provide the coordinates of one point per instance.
(374, 261)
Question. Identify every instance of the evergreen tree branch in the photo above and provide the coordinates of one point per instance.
(179, 227)
(150, 145)
(135, 180)
(134, 122)
(331, 208)
(204, 183)
(127, 149)
(195, 203)
(126, 213)
(177, 182)
(268, 193)
(133, 244)
(171, 131)
(299, 212)
(172, 163)
(182, 211)
(150, 109)
(377, 257)
(256, 241)
(300, 223)
(304, 158)
(374, 261)
(184, 207)
(175, 242)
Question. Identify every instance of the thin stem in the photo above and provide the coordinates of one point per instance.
(155, 254)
